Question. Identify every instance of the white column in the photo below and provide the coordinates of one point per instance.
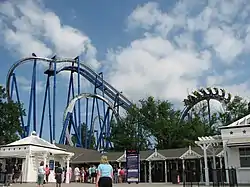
(120, 164)
(26, 168)
(166, 171)
(201, 171)
(225, 160)
(183, 170)
(214, 166)
(206, 166)
(45, 158)
(145, 171)
(221, 162)
(68, 172)
(150, 172)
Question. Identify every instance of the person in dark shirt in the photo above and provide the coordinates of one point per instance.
(9, 173)
(58, 176)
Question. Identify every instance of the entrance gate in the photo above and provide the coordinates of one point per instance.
(158, 171)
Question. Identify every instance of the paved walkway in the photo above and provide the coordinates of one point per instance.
(93, 185)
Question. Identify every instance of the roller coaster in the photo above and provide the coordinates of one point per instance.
(105, 102)
(101, 105)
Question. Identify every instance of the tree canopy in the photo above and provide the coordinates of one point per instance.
(10, 125)
(158, 122)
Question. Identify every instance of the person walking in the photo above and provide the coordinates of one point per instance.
(41, 173)
(104, 173)
(58, 175)
(77, 174)
(47, 173)
(9, 173)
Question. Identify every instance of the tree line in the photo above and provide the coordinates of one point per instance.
(156, 123)
(150, 123)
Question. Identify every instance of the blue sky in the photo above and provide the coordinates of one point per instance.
(161, 48)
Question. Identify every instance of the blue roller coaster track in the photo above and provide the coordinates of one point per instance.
(105, 102)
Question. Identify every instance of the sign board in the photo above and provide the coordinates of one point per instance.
(51, 164)
(133, 166)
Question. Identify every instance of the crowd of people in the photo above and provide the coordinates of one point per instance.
(10, 173)
(103, 175)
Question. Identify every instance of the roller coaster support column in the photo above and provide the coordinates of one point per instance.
(49, 73)
(86, 131)
(209, 111)
(100, 139)
(14, 86)
(79, 102)
(93, 109)
(71, 89)
(54, 101)
(103, 95)
(32, 99)
(34, 94)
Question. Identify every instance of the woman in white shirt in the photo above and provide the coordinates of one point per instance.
(41, 173)
(77, 174)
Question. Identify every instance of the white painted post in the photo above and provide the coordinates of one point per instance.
(206, 166)
(201, 171)
(145, 171)
(68, 171)
(166, 171)
(214, 166)
(225, 160)
(150, 173)
(221, 162)
(183, 170)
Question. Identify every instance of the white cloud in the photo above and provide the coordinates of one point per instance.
(226, 45)
(181, 47)
(25, 84)
(177, 51)
(28, 27)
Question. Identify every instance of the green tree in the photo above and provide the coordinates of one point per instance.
(84, 138)
(10, 125)
(127, 133)
(234, 110)
(161, 121)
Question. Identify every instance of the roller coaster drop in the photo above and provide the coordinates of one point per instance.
(104, 97)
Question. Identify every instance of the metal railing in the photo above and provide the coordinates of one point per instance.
(191, 178)
(219, 177)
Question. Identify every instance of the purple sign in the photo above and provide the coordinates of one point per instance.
(133, 166)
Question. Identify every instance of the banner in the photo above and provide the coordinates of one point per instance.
(133, 166)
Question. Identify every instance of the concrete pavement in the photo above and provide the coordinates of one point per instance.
(93, 185)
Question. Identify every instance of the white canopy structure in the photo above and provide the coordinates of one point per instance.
(209, 143)
(32, 150)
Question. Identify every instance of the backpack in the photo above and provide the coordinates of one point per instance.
(93, 170)
(121, 172)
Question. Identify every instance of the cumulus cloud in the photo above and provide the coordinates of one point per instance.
(29, 27)
(25, 84)
(194, 44)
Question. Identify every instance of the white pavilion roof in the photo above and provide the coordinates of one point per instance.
(34, 140)
(241, 122)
